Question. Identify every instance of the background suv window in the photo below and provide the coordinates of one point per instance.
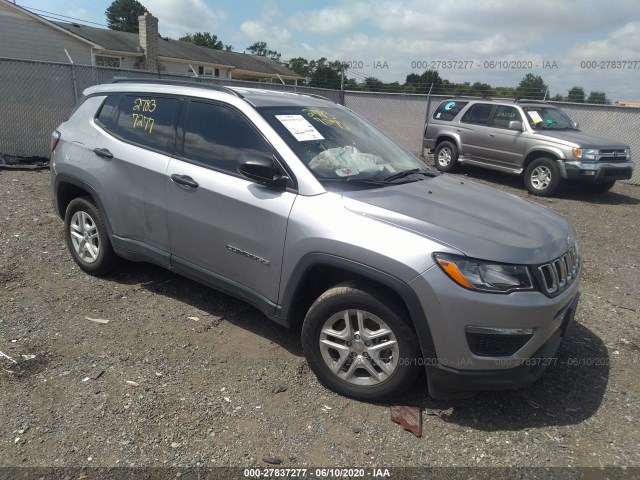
(478, 114)
(448, 110)
(148, 121)
(503, 115)
(218, 137)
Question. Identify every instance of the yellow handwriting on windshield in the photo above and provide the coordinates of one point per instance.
(324, 117)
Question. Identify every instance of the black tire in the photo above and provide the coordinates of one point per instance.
(598, 187)
(89, 243)
(542, 177)
(446, 156)
(400, 360)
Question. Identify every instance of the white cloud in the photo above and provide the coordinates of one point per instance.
(186, 16)
(262, 31)
(327, 21)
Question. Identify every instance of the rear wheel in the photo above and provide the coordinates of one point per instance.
(359, 344)
(542, 177)
(446, 156)
(87, 238)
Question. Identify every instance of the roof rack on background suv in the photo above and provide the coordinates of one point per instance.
(526, 100)
(185, 83)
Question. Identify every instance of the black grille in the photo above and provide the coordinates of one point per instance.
(557, 275)
(492, 345)
(612, 156)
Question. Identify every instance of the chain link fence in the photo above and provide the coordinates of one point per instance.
(35, 97)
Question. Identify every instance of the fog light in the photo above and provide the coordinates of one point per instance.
(497, 342)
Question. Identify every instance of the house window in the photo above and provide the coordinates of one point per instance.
(104, 61)
(208, 72)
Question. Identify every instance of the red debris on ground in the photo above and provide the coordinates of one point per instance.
(409, 417)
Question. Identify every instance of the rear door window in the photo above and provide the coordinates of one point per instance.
(479, 114)
(149, 121)
(448, 110)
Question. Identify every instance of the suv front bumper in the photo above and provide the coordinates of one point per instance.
(595, 172)
(450, 310)
(446, 382)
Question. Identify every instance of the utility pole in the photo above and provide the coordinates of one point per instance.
(342, 85)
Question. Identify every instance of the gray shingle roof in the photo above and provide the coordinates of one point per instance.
(129, 42)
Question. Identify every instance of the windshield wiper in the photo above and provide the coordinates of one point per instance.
(354, 180)
(406, 173)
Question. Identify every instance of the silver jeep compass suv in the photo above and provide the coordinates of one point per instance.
(524, 137)
(307, 212)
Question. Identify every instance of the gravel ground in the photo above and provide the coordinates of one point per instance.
(208, 367)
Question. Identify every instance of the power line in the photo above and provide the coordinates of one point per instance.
(34, 10)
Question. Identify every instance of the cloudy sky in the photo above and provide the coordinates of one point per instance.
(390, 39)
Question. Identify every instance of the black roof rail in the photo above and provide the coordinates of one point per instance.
(184, 83)
(467, 96)
(315, 95)
(525, 100)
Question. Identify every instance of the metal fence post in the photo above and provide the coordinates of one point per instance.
(73, 75)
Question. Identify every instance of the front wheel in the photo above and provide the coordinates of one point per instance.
(542, 177)
(359, 344)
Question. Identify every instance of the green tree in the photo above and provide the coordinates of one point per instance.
(123, 15)
(421, 83)
(373, 84)
(262, 50)
(482, 89)
(206, 39)
(325, 74)
(558, 98)
(532, 87)
(576, 95)
(598, 97)
(300, 66)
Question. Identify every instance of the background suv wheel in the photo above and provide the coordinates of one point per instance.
(446, 156)
(542, 177)
(87, 238)
(358, 345)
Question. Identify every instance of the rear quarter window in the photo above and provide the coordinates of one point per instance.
(448, 110)
(107, 113)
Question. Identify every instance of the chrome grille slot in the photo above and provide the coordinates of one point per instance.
(558, 274)
(561, 269)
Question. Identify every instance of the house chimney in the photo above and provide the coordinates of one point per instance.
(148, 35)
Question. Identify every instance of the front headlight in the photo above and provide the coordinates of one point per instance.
(585, 154)
(485, 276)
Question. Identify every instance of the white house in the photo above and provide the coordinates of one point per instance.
(25, 35)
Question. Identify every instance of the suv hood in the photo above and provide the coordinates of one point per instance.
(580, 139)
(479, 221)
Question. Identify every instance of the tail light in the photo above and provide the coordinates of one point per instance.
(55, 138)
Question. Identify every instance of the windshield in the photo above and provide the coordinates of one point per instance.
(338, 146)
(548, 118)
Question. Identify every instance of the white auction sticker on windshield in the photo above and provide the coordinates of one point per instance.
(535, 116)
(300, 128)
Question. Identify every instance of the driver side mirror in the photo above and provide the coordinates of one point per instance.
(264, 170)
(516, 125)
